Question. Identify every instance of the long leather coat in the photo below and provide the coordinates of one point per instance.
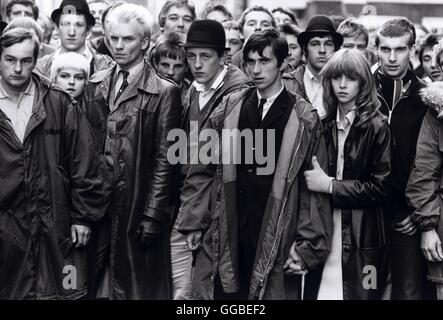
(133, 138)
(360, 195)
(52, 180)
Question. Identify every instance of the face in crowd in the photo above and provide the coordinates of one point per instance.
(346, 88)
(16, 65)
(394, 55)
(178, 19)
(295, 51)
(127, 43)
(264, 70)
(234, 41)
(430, 65)
(73, 30)
(72, 80)
(256, 21)
(281, 18)
(19, 10)
(319, 50)
(173, 69)
(357, 42)
(96, 9)
(205, 64)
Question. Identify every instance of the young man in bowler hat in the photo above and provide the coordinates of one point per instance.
(318, 42)
(254, 233)
(214, 79)
(74, 22)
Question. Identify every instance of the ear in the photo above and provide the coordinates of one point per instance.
(223, 59)
(145, 43)
(284, 64)
(412, 51)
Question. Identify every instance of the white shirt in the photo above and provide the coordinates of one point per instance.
(331, 285)
(87, 54)
(314, 91)
(205, 96)
(133, 72)
(18, 111)
(269, 101)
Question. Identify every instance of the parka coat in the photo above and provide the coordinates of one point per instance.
(293, 214)
(361, 195)
(133, 138)
(424, 189)
(52, 180)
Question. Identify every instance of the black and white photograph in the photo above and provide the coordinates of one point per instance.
(223, 151)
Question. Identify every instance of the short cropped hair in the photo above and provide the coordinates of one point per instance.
(26, 3)
(26, 23)
(286, 12)
(429, 42)
(217, 7)
(70, 60)
(109, 9)
(128, 12)
(18, 35)
(242, 20)
(169, 46)
(396, 28)
(174, 3)
(260, 40)
(352, 28)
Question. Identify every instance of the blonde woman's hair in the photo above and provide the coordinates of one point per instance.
(70, 60)
(352, 63)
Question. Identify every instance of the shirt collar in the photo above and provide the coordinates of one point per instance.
(87, 54)
(348, 120)
(133, 71)
(30, 91)
(215, 85)
(272, 98)
(309, 75)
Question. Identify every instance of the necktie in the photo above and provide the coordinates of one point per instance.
(260, 108)
(124, 84)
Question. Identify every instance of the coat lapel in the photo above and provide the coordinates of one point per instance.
(277, 109)
(251, 105)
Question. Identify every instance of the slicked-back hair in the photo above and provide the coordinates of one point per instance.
(26, 3)
(429, 42)
(287, 12)
(175, 3)
(216, 7)
(260, 40)
(352, 63)
(131, 13)
(169, 46)
(109, 9)
(352, 28)
(242, 20)
(18, 35)
(396, 28)
(26, 23)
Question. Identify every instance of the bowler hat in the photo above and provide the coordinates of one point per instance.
(206, 34)
(73, 7)
(320, 24)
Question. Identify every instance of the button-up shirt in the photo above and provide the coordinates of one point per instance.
(18, 111)
(132, 73)
(206, 95)
(331, 285)
(314, 91)
(269, 101)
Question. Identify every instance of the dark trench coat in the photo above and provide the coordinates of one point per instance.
(50, 181)
(133, 138)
